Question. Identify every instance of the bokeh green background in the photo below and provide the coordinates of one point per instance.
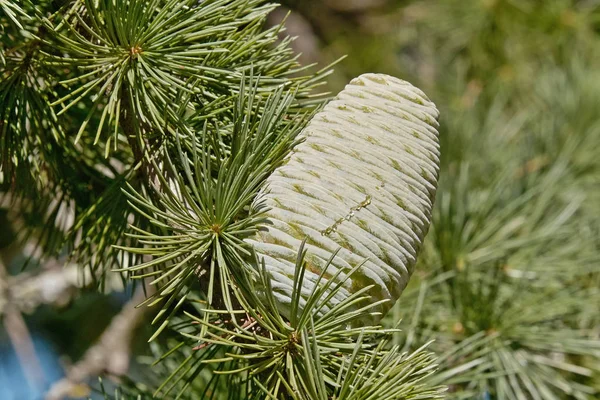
(508, 280)
(507, 283)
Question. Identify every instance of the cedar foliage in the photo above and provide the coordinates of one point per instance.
(508, 282)
(134, 138)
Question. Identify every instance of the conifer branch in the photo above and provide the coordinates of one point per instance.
(169, 122)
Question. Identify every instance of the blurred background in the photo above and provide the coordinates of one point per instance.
(508, 281)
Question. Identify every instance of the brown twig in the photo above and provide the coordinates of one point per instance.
(355, 5)
(19, 336)
(56, 284)
(111, 354)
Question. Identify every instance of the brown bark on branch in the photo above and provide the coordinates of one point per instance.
(19, 335)
(110, 355)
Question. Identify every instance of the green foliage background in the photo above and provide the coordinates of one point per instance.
(508, 282)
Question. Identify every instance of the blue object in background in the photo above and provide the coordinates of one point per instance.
(14, 384)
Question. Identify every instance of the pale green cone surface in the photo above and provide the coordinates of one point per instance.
(363, 180)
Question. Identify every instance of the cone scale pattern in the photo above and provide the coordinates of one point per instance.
(363, 181)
